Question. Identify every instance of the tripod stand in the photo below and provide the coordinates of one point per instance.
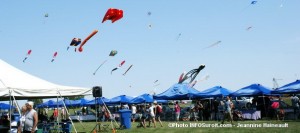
(100, 127)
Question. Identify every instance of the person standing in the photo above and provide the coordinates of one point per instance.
(63, 113)
(295, 104)
(152, 115)
(158, 112)
(31, 119)
(177, 111)
(133, 111)
(22, 119)
(200, 110)
(228, 113)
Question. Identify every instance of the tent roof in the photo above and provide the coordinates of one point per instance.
(120, 99)
(290, 88)
(5, 106)
(216, 91)
(252, 90)
(178, 92)
(144, 98)
(24, 85)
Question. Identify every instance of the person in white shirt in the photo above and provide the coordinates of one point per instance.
(133, 111)
(22, 119)
(152, 115)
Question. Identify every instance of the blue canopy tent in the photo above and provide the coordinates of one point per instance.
(5, 106)
(120, 99)
(145, 98)
(291, 88)
(177, 92)
(217, 91)
(252, 90)
(80, 102)
(49, 103)
(99, 101)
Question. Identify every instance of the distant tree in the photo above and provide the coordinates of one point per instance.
(37, 101)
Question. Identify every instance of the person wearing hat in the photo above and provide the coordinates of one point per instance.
(31, 119)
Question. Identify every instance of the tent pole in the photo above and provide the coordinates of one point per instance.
(10, 109)
(265, 106)
(67, 111)
(17, 105)
(109, 114)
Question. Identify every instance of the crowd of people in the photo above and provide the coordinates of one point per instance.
(217, 109)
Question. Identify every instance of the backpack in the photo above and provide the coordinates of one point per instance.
(159, 109)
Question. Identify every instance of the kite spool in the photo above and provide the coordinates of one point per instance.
(97, 91)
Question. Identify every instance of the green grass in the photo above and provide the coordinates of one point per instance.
(293, 127)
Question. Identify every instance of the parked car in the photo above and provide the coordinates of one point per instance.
(242, 102)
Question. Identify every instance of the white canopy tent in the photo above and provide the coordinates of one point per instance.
(23, 85)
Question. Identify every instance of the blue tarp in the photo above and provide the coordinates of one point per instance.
(217, 91)
(178, 92)
(80, 102)
(68, 103)
(5, 106)
(120, 99)
(291, 88)
(252, 90)
(99, 101)
(47, 104)
(145, 98)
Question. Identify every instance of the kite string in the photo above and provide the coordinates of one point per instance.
(99, 66)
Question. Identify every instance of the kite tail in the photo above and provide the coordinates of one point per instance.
(113, 70)
(25, 59)
(99, 67)
(127, 70)
(52, 60)
(68, 48)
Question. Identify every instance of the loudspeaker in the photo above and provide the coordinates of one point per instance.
(97, 91)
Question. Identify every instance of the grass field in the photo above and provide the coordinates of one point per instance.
(199, 127)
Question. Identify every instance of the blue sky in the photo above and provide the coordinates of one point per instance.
(270, 49)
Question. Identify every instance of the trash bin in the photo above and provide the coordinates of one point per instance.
(125, 115)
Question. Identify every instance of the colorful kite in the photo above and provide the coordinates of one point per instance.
(253, 2)
(86, 39)
(127, 70)
(27, 55)
(212, 45)
(193, 84)
(181, 77)
(54, 56)
(75, 42)
(113, 53)
(120, 65)
(192, 74)
(250, 27)
(113, 15)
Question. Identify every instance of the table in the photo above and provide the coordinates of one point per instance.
(251, 114)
